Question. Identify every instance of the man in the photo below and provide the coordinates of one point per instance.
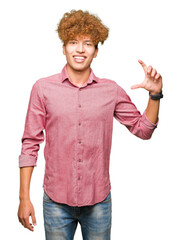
(76, 109)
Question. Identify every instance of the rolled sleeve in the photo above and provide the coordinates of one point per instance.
(148, 123)
(25, 160)
(127, 114)
(33, 130)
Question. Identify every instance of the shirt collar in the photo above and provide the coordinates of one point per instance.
(64, 75)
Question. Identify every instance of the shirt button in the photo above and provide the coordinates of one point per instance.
(79, 105)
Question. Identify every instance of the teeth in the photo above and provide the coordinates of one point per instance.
(79, 57)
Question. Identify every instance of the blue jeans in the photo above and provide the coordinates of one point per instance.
(60, 220)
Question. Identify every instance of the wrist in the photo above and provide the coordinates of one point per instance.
(155, 93)
(24, 197)
(156, 96)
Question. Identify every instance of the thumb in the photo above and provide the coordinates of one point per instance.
(33, 218)
(136, 86)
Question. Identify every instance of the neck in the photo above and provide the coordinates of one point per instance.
(78, 77)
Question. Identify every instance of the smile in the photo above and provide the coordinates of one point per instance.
(79, 58)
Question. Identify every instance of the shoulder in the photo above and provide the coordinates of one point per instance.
(51, 78)
(44, 82)
(111, 82)
(106, 80)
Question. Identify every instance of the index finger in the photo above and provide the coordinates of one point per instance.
(143, 65)
(28, 224)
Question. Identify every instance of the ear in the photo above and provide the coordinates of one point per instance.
(95, 54)
(63, 47)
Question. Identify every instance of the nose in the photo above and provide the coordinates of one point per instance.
(80, 48)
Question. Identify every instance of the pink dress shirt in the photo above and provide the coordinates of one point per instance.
(78, 123)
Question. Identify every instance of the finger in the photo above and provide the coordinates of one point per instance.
(23, 222)
(143, 65)
(19, 219)
(153, 73)
(149, 69)
(28, 225)
(157, 76)
(33, 219)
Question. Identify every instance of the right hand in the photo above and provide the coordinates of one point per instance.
(26, 210)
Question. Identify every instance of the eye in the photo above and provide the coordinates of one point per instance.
(88, 44)
(72, 42)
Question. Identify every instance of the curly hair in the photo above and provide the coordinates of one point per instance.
(81, 23)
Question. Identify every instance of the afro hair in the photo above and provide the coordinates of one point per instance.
(81, 23)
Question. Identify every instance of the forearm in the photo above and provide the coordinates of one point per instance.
(25, 178)
(152, 110)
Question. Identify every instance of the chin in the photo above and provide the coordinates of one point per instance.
(79, 68)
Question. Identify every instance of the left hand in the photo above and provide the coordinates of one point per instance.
(152, 81)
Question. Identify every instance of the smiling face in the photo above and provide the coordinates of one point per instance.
(79, 53)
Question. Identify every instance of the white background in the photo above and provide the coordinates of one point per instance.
(145, 175)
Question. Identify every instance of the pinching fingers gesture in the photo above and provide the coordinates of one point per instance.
(152, 81)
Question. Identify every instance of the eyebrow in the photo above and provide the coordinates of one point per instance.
(88, 41)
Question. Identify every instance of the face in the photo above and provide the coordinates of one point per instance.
(79, 53)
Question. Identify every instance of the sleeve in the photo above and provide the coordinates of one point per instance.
(33, 130)
(127, 114)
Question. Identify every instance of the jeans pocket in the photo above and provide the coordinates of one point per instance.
(108, 198)
(46, 198)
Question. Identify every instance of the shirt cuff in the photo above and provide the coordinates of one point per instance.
(148, 123)
(27, 161)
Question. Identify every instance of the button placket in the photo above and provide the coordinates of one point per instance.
(79, 142)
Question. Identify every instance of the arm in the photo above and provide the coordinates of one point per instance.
(33, 130)
(25, 178)
(127, 114)
(32, 137)
(26, 208)
(152, 110)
